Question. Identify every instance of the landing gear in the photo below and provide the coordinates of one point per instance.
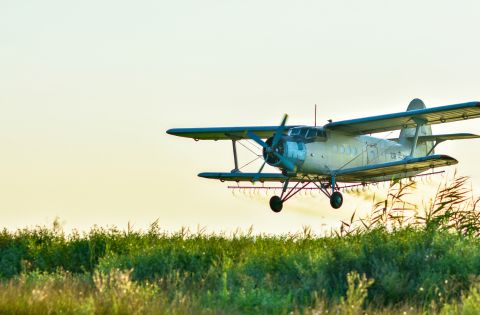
(336, 200)
(330, 189)
(276, 204)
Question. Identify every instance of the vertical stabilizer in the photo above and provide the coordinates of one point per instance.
(407, 134)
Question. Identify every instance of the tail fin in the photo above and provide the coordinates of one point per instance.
(406, 134)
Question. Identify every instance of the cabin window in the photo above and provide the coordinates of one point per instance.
(348, 150)
(341, 149)
(303, 132)
(312, 133)
(321, 133)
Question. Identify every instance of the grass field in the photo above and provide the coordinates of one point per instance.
(389, 263)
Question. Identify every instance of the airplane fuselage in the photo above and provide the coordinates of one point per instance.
(319, 155)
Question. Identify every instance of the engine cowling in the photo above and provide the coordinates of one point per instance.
(295, 151)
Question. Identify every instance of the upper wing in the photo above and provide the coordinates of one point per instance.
(224, 133)
(386, 170)
(381, 123)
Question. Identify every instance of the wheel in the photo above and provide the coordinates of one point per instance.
(276, 204)
(336, 200)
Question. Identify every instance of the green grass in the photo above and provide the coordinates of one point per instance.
(426, 262)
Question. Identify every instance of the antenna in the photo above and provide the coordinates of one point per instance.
(315, 115)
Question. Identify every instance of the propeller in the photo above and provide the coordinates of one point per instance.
(279, 132)
(271, 148)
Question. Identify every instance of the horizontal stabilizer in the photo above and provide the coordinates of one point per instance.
(441, 138)
(402, 168)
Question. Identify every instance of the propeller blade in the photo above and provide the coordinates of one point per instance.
(286, 162)
(256, 177)
(279, 131)
(257, 139)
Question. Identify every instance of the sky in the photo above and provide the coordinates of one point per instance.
(88, 89)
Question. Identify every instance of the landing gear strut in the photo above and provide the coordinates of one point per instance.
(336, 198)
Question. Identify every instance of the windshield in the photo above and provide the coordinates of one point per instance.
(295, 131)
(308, 133)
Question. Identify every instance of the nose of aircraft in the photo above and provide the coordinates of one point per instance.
(269, 152)
(272, 149)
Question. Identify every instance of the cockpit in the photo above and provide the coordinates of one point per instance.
(309, 133)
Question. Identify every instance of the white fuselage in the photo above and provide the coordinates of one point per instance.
(336, 150)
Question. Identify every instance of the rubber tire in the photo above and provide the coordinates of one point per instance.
(276, 204)
(336, 200)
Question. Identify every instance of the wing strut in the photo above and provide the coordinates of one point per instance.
(235, 157)
(420, 122)
(435, 145)
(333, 183)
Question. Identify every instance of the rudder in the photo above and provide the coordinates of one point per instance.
(407, 134)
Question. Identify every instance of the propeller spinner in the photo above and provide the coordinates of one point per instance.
(273, 149)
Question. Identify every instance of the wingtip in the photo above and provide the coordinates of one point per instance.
(172, 131)
(448, 157)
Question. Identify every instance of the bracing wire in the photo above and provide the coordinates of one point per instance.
(253, 144)
(248, 163)
(248, 148)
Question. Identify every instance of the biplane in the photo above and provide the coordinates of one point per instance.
(342, 151)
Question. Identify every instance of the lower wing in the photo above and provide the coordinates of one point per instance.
(385, 171)
(245, 177)
(403, 168)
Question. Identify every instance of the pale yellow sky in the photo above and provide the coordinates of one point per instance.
(87, 90)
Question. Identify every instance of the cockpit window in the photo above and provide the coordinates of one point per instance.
(295, 131)
(309, 133)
